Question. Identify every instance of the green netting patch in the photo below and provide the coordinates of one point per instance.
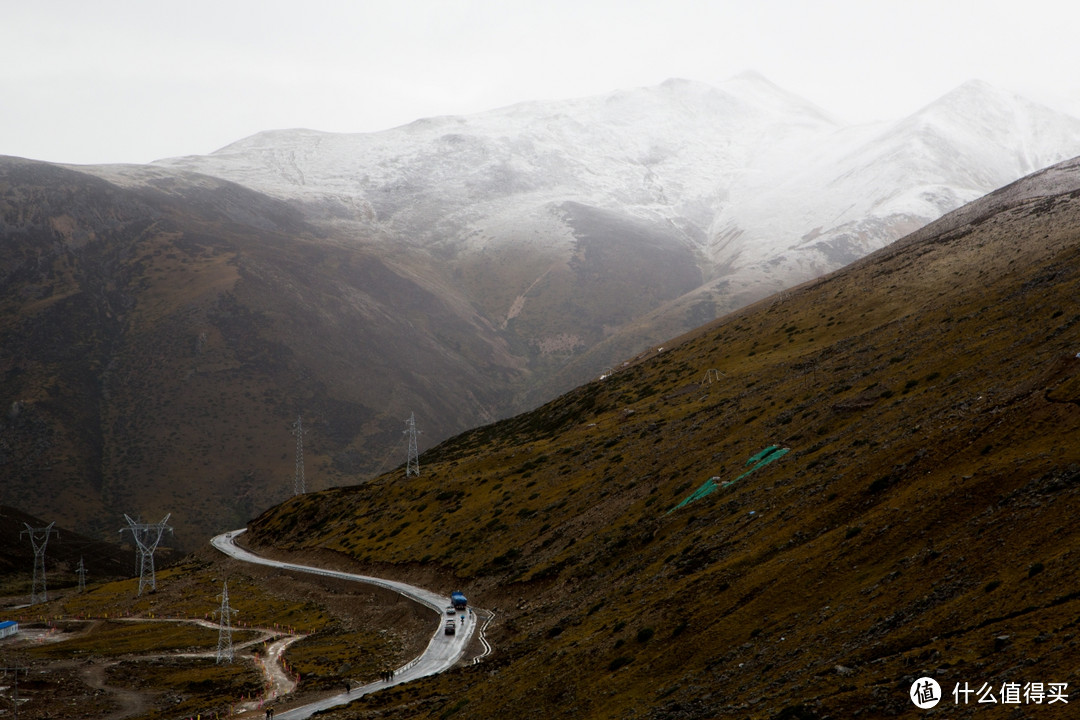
(759, 460)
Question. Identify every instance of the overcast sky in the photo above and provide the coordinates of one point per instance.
(93, 81)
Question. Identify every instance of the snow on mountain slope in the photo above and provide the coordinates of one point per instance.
(745, 170)
(832, 196)
(666, 151)
(537, 208)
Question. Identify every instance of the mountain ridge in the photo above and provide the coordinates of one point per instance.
(766, 188)
(918, 524)
(164, 325)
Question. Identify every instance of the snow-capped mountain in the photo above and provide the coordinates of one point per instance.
(850, 192)
(664, 152)
(462, 268)
(744, 158)
(647, 211)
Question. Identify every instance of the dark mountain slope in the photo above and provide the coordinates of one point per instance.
(157, 344)
(64, 549)
(920, 524)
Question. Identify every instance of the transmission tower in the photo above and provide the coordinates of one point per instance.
(224, 640)
(16, 669)
(81, 572)
(147, 536)
(299, 486)
(711, 376)
(412, 465)
(39, 537)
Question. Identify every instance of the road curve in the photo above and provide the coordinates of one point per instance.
(442, 650)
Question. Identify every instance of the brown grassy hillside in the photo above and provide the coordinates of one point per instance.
(922, 522)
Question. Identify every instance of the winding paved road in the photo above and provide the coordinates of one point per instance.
(441, 653)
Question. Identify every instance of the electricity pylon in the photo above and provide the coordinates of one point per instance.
(81, 572)
(299, 485)
(16, 669)
(224, 640)
(39, 538)
(711, 376)
(147, 536)
(412, 465)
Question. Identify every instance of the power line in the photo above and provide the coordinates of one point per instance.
(224, 643)
(299, 484)
(39, 538)
(147, 536)
(386, 457)
(712, 375)
(16, 669)
(412, 464)
(81, 572)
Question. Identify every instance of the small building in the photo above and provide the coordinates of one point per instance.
(8, 628)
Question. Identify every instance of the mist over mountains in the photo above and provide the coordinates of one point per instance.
(728, 194)
(164, 325)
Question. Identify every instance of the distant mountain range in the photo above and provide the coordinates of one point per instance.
(164, 325)
(684, 200)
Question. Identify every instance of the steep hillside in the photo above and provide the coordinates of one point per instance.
(652, 552)
(158, 343)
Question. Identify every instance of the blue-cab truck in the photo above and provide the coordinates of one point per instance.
(458, 599)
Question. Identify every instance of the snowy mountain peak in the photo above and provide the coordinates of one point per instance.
(753, 76)
(761, 185)
(976, 100)
(987, 135)
(271, 138)
(755, 87)
(677, 84)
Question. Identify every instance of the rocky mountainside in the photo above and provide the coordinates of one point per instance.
(163, 326)
(793, 512)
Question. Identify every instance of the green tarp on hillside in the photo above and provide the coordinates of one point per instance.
(760, 460)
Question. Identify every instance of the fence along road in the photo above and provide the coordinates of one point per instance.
(442, 650)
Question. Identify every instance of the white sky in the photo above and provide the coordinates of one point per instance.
(89, 81)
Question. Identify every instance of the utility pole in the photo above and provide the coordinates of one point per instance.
(412, 465)
(299, 485)
(15, 669)
(147, 536)
(39, 537)
(81, 572)
(224, 641)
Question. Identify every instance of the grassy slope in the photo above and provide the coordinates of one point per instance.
(930, 397)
